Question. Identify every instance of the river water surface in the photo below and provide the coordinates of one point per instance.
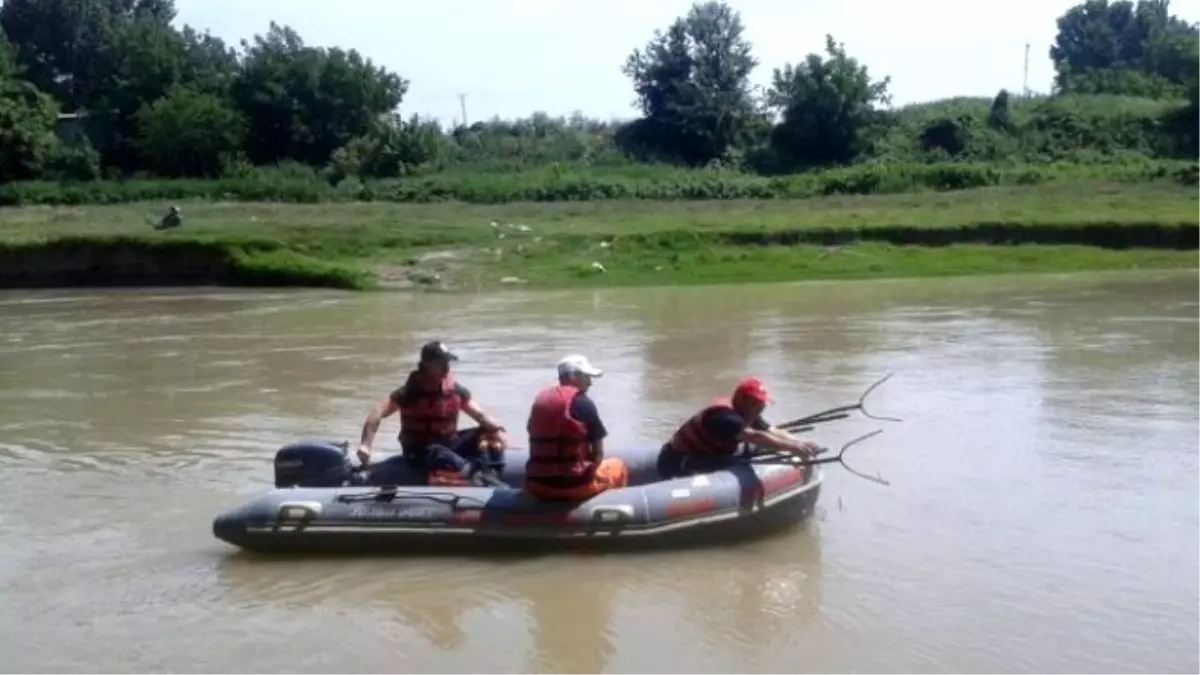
(1042, 516)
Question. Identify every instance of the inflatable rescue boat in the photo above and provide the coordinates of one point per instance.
(323, 502)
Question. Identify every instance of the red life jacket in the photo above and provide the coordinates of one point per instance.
(559, 452)
(429, 415)
(692, 437)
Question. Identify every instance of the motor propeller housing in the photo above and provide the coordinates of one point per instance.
(313, 464)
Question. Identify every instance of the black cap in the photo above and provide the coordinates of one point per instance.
(437, 351)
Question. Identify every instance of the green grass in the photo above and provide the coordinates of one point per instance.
(382, 224)
(570, 183)
(727, 264)
(640, 241)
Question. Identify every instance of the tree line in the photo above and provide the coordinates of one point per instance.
(92, 88)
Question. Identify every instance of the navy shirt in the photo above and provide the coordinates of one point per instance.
(725, 425)
(584, 410)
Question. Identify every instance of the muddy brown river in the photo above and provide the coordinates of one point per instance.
(1042, 515)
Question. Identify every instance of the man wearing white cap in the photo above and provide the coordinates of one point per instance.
(566, 439)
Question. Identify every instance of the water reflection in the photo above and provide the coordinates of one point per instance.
(538, 615)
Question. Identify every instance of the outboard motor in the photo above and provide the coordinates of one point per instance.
(313, 464)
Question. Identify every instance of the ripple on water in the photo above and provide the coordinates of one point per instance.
(384, 585)
(1042, 512)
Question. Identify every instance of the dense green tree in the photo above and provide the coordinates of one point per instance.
(693, 87)
(828, 107)
(27, 118)
(305, 102)
(142, 62)
(1000, 114)
(1118, 47)
(109, 58)
(207, 63)
(54, 40)
(74, 161)
(62, 45)
(189, 133)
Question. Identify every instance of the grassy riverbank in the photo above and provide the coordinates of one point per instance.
(1065, 226)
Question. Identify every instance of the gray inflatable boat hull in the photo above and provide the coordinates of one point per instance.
(713, 508)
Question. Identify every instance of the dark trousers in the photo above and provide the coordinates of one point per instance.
(458, 455)
(673, 464)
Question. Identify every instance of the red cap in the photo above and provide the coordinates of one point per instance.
(753, 388)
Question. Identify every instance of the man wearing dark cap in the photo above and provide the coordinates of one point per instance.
(429, 402)
(708, 440)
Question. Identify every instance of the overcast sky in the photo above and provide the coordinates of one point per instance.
(514, 57)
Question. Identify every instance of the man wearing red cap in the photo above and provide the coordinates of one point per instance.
(709, 438)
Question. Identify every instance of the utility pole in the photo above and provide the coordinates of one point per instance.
(1025, 78)
(462, 101)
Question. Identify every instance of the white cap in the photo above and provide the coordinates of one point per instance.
(577, 363)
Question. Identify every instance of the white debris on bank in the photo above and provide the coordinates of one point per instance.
(500, 231)
(509, 226)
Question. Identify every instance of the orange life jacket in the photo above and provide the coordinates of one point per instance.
(692, 437)
(559, 452)
(429, 415)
